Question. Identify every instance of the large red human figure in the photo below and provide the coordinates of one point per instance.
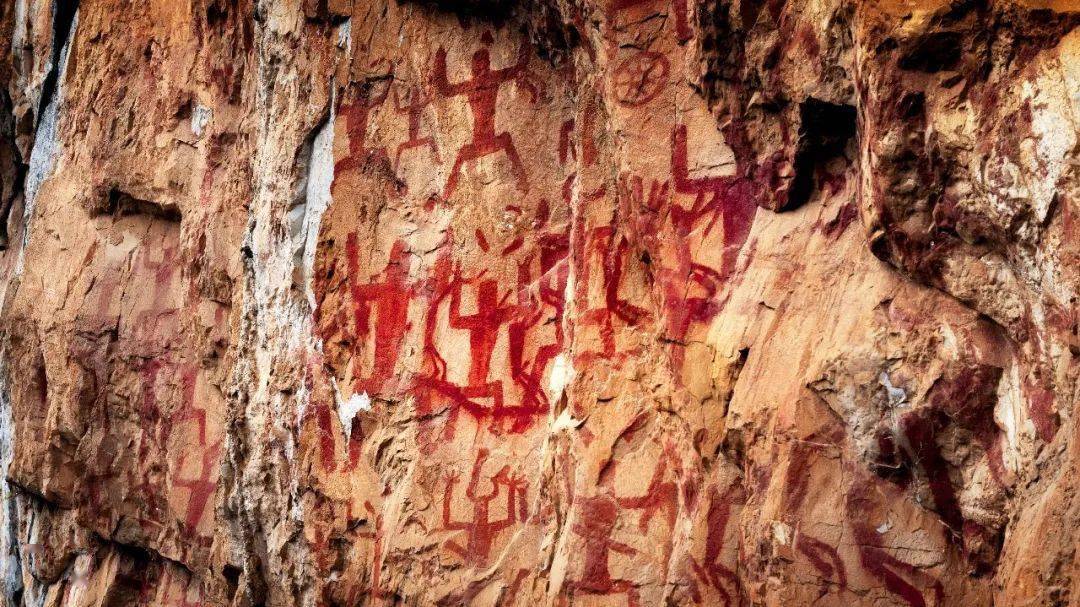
(692, 289)
(481, 531)
(389, 300)
(413, 107)
(600, 514)
(482, 91)
(728, 199)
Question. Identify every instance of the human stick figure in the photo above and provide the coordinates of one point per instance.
(482, 92)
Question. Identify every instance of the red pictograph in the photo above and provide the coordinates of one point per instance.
(712, 571)
(380, 306)
(900, 578)
(151, 323)
(376, 590)
(683, 31)
(640, 78)
(823, 557)
(321, 409)
(727, 199)
(536, 307)
(197, 441)
(520, 313)
(481, 397)
(599, 514)
(566, 144)
(692, 292)
(176, 588)
(413, 105)
(661, 495)
(482, 92)
(480, 531)
(201, 486)
(604, 260)
(357, 115)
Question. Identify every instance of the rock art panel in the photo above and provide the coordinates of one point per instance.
(614, 302)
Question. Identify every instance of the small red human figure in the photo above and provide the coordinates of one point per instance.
(153, 321)
(413, 106)
(821, 555)
(481, 531)
(612, 251)
(660, 495)
(711, 570)
(356, 116)
(537, 310)
(600, 514)
(682, 20)
(200, 487)
(381, 306)
(896, 575)
(726, 198)
(484, 327)
(482, 91)
(188, 410)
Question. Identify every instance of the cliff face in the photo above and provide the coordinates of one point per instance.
(620, 302)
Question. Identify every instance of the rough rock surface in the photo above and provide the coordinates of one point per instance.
(556, 302)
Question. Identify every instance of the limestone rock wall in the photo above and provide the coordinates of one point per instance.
(556, 302)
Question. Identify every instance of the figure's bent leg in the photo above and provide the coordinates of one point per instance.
(506, 143)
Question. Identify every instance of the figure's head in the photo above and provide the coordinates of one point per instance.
(601, 511)
(481, 61)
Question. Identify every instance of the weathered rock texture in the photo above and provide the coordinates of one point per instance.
(558, 302)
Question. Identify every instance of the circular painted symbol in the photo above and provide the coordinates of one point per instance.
(640, 78)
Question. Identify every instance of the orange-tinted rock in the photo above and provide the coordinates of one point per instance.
(620, 302)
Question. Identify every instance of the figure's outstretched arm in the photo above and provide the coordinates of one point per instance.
(452, 478)
(439, 78)
(525, 78)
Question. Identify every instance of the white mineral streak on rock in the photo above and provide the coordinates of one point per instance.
(47, 145)
(896, 395)
(10, 565)
(1009, 414)
(46, 149)
(200, 119)
(344, 35)
(320, 178)
(562, 375)
(348, 409)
